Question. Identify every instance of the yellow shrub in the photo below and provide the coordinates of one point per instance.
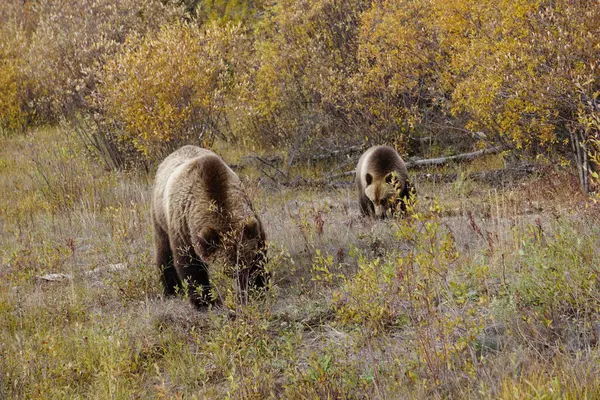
(305, 55)
(399, 56)
(173, 85)
(70, 42)
(13, 111)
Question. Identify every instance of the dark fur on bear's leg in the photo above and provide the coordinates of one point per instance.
(405, 194)
(366, 206)
(164, 262)
(170, 280)
(256, 279)
(193, 270)
(261, 280)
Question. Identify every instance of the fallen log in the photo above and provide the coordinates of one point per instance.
(329, 179)
(495, 178)
(432, 161)
(459, 157)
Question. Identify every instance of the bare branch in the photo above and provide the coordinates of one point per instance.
(271, 165)
(479, 135)
(335, 153)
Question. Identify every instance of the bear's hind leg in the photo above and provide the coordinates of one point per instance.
(164, 262)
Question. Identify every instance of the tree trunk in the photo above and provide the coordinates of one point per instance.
(581, 155)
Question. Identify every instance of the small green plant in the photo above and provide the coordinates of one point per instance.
(415, 290)
(322, 269)
(554, 279)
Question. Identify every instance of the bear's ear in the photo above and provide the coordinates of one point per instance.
(252, 229)
(209, 240)
(369, 179)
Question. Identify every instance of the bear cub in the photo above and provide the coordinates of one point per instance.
(201, 215)
(382, 182)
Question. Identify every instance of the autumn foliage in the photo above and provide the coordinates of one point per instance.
(308, 73)
(174, 84)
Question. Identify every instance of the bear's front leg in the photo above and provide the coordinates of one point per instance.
(366, 206)
(164, 261)
(191, 269)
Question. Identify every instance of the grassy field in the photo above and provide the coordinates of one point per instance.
(489, 289)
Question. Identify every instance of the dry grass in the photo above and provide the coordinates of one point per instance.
(484, 292)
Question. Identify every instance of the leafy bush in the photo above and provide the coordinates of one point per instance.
(225, 10)
(13, 97)
(173, 86)
(417, 290)
(69, 43)
(529, 56)
(557, 277)
(305, 74)
(401, 66)
(305, 55)
(380, 294)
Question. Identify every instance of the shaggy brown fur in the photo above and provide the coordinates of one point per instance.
(382, 181)
(201, 215)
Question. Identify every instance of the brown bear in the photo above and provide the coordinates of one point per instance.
(382, 181)
(201, 215)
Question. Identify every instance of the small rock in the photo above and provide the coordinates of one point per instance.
(55, 277)
(108, 268)
(116, 267)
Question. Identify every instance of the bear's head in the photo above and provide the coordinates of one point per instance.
(384, 192)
